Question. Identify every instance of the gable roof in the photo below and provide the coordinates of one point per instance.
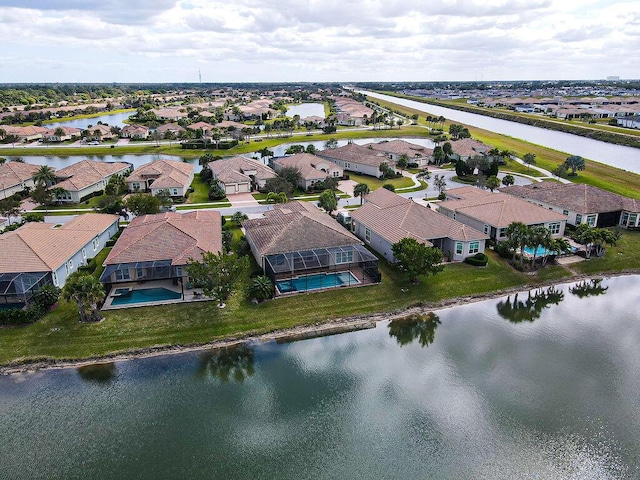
(14, 173)
(401, 147)
(394, 217)
(468, 147)
(296, 226)
(576, 197)
(85, 173)
(168, 236)
(497, 209)
(166, 173)
(45, 247)
(357, 154)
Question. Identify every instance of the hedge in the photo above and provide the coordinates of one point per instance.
(478, 260)
(18, 316)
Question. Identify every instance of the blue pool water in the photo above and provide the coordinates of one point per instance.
(316, 281)
(146, 295)
(541, 251)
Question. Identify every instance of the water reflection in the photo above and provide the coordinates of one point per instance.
(224, 363)
(101, 373)
(517, 311)
(421, 327)
(589, 288)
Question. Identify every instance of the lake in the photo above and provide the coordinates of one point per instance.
(306, 110)
(542, 385)
(111, 119)
(626, 158)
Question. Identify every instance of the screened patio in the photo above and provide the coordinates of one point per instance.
(18, 288)
(356, 259)
(140, 271)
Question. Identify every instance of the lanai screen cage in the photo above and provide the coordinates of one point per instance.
(18, 288)
(141, 271)
(354, 258)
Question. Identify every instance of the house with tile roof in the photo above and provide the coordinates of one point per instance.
(170, 127)
(15, 177)
(203, 127)
(386, 218)
(239, 174)
(296, 240)
(312, 168)
(167, 176)
(397, 148)
(491, 213)
(38, 253)
(356, 158)
(68, 133)
(467, 148)
(135, 132)
(22, 134)
(86, 178)
(581, 203)
(98, 132)
(157, 247)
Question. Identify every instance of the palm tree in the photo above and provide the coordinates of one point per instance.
(518, 233)
(529, 159)
(87, 291)
(360, 190)
(45, 176)
(59, 132)
(538, 236)
(261, 288)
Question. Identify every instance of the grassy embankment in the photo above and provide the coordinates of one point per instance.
(59, 335)
(596, 174)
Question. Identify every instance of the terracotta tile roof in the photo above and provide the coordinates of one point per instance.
(228, 123)
(66, 130)
(85, 173)
(200, 126)
(14, 173)
(576, 197)
(401, 147)
(232, 169)
(166, 174)
(468, 147)
(306, 164)
(170, 127)
(357, 154)
(394, 217)
(497, 209)
(41, 247)
(27, 131)
(135, 129)
(168, 236)
(296, 226)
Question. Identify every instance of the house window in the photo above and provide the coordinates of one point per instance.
(632, 219)
(578, 219)
(84, 253)
(591, 220)
(70, 264)
(625, 219)
(175, 192)
(554, 228)
(344, 257)
(55, 279)
(347, 165)
(474, 247)
(95, 244)
(486, 229)
(336, 174)
(565, 212)
(135, 185)
(367, 234)
(123, 274)
(459, 248)
(502, 233)
(454, 215)
(139, 272)
(179, 271)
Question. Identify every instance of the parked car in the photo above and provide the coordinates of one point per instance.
(93, 142)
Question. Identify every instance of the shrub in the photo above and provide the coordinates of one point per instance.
(503, 249)
(412, 165)
(47, 296)
(478, 260)
(17, 316)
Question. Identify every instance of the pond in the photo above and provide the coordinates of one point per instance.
(626, 158)
(539, 385)
(306, 110)
(111, 119)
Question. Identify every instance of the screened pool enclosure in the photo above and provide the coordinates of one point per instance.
(300, 265)
(16, 289)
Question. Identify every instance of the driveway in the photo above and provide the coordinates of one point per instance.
(347, 186)
(242, 200)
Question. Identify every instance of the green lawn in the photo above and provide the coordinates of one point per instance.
(625, 255)
(375, 183)
(200, 192)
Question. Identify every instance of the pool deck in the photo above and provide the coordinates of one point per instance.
(362, 278)
(189, 294)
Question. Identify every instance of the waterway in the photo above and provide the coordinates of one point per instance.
(541, 386)
(112, 119)
(306, 110)
(626, 158)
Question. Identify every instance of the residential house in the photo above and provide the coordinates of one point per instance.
(467, 148)
(135, 132)
(170, 113)
(630, 122)
(296, 240)
(203, 127)
(15, 177)
(492, 213)
(38, 253)
(359, 159)
(98, 132)
(398, 148)
(240, 174)
(67, 133)
(86, 178)
(581, 203)
(157, 247)
(170, 127)
(167, 176)
(313, 169)
(24, 134)
(386, 218)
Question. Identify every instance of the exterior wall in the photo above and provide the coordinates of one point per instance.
(358, 167)
(379, 244)
(8, 191)
(449, 248)
(231, 188)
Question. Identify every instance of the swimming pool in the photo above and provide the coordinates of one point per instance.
(540, 251)
(316, 281)
(146, 295)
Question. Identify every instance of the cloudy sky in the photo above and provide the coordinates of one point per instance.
(317, 40)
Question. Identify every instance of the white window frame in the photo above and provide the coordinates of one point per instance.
(578, 218)
(459, 248)
(344, 257)
(367, 234)
(474, 247)
(95, 243)
(554, 228)
(591, 220)
(54, 276)
(122, 274)
(486, 229)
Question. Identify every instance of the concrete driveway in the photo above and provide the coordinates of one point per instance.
(242, 200)
(347, 186)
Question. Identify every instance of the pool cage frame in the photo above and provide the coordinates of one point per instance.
(356, 259)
